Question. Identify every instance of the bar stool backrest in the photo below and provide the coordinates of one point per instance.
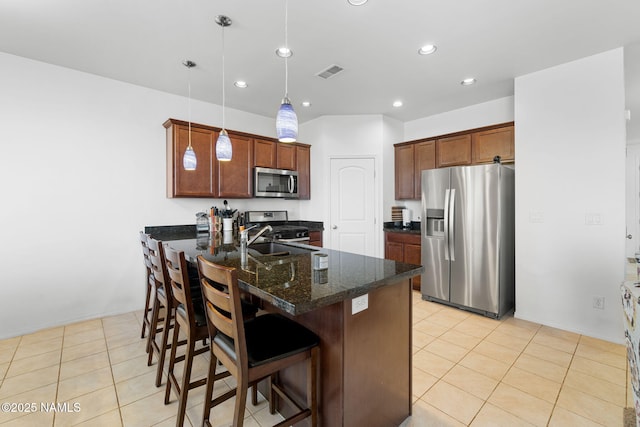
(223, 309)
(178, 273)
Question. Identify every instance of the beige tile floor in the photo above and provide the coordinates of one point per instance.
(467, 370)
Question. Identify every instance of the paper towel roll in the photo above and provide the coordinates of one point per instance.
(406, 217)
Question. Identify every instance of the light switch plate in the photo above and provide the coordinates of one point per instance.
(360, 303)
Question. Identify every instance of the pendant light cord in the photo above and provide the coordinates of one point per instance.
(189, 105)
(223, 90)
(286, 44)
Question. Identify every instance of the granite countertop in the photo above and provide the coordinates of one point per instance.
(397, 227)
(289, 282)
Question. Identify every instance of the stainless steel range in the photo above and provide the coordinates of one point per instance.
(279, 222)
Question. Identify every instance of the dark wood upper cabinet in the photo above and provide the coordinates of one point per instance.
(234, 176)
(410, 161)
(475, 146)
(425, 158)
(184, 183)
(264, 153)
(495, 142)
(286, 158)
(453, 151)
(404, 173)
(303, 166)
(233, 179)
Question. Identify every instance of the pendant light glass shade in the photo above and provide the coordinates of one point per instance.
(287, 122)
(189, 161)
(223, 147)
(224, 150)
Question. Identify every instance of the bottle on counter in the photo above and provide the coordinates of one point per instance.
(202, 222)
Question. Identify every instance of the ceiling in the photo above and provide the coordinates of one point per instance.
(144, 42)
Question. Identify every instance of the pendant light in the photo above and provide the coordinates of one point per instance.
(286, 119)
(224, 150)
(189, 161)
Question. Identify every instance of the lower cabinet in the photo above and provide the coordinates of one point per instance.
(404, 247)
(315, 238)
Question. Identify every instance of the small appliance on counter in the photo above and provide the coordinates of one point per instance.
(406, 218)
(202, 222)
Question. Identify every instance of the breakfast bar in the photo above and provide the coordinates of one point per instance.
(359, 306)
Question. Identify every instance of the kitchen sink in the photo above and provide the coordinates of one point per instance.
(278, 249)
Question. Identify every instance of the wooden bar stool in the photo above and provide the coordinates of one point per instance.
(252, 350)
(148, 301)
(190, 317)
(163, 297)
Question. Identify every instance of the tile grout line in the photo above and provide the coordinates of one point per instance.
(485, 401)
(113, 380)
(53, 422)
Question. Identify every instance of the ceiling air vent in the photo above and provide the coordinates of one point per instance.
(330, 72)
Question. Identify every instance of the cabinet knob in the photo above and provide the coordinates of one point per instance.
(629, 236)
(335, 227)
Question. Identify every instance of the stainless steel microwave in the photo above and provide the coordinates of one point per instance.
(275, 183)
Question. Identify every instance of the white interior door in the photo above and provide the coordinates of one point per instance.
(352, 225)
(633, 199)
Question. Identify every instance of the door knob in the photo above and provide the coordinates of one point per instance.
(629, 236)
(335, 227)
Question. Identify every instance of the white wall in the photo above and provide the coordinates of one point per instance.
(570, 143)
(471, 117)
(82, 167)
(346, 136)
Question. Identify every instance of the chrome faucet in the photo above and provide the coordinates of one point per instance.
(259, 233)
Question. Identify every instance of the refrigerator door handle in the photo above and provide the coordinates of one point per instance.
(447, 194)
(451, 229)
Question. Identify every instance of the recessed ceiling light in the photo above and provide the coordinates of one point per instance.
(306, 104)
(357, 2)
(240, 84)
(468, 82)
(427, 49)
(284, 52)
(397, 104)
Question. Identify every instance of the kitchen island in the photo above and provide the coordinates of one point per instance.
(360, 307)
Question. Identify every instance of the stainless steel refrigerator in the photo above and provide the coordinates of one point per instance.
(468, 237)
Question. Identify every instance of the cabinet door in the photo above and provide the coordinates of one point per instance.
(413, 255)
(264, 153)
(453, 151)
(234, 176)
(286, 158)
(315, 238)
(196, 183)
(303, 166)
(394, 251)
(404, 172)
(495, 142)
(425, 158)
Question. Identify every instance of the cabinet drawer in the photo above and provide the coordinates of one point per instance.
(410, 238)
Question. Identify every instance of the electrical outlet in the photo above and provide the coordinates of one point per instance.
(598, 302)
(360, 303)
